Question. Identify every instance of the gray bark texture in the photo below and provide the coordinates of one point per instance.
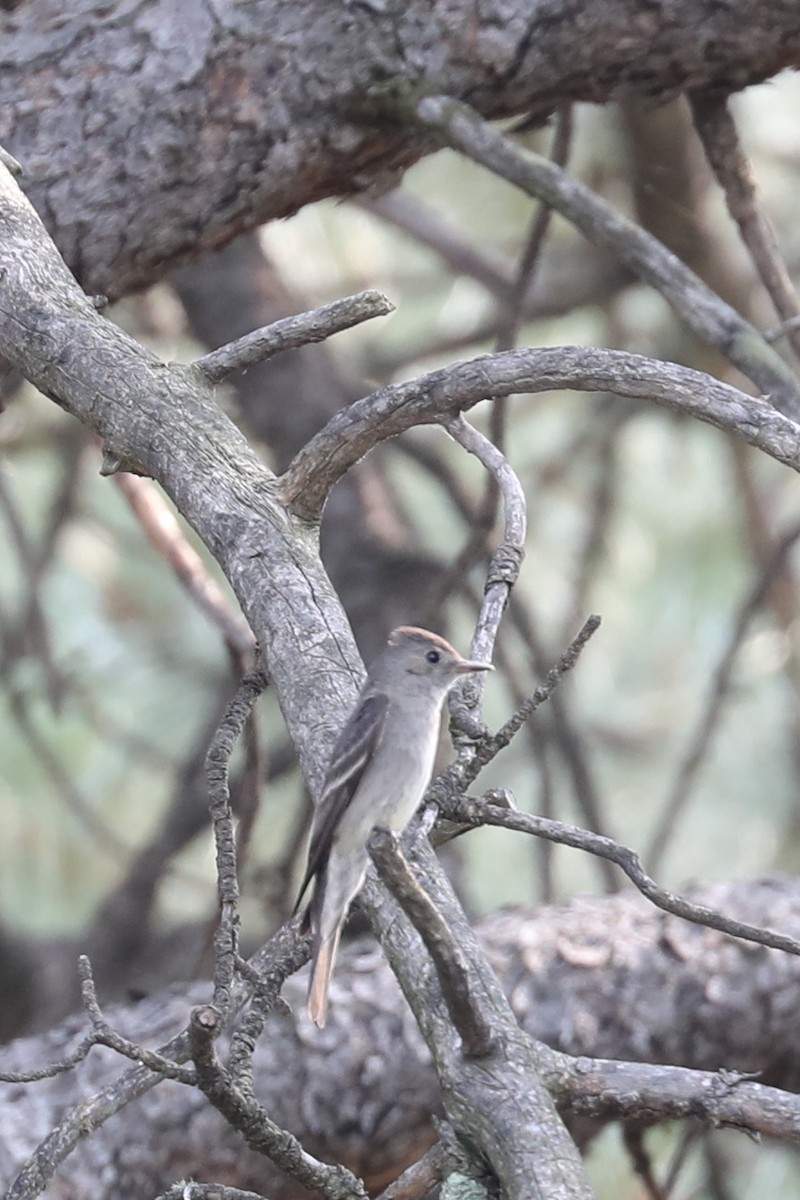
(161, 420)
(151, 132)
(600, 977)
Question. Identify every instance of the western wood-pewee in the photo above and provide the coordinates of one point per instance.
(378, 773)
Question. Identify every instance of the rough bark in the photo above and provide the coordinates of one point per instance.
(161, 420)
(609, 977)
(151, 132)
(380, 577)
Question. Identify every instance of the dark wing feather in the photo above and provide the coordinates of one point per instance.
(351, 754)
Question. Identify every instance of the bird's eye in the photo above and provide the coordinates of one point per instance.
(433, 656)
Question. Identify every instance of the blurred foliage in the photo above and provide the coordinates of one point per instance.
(134, 668)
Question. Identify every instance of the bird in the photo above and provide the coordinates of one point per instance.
(379, 769)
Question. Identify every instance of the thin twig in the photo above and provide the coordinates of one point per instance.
(450, 962)
(537, 235)
(101, 1034)
(633, 1137)
(217, 760)
(556, 295)
(104, 1035)
(252, 1121)
(280, 957)
(600, 505)
(29, 626)
(474, 813)
(291, 332)
(505, 563)
(53, 766)
(507, 662)
(401, 209)
(679, 1156)
(490, 747)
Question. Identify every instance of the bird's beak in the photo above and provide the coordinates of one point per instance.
(467, 665)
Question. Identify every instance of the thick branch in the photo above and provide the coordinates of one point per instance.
(450, 963)
(162, 421)
(133, 181)
(602, 1088)
(597, 978)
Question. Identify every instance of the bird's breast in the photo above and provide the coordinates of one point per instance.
(395, 781)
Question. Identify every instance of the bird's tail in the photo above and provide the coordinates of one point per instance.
(322, 966)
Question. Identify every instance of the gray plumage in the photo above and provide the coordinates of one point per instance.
(378, 773)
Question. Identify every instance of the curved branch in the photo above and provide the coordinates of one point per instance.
(438, 396)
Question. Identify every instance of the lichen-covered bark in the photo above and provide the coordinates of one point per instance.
(152, 130)
(607, 976)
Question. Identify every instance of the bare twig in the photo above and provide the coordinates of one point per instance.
(566, 735)
(53, 766)
(600, 509)
(104, 1035)
(641, 1161)
(728, 161)
(250, 1119)
(452, 967)
(283, 954)
(436, 397)
(505, 563)
(28, 630)
(507, 662)
(490, 747)
(558, 293)
(291, 332)
(401, 209)
(101, 1034)
(474, 813)
(702, 310)
(217, 759)
(540, 225)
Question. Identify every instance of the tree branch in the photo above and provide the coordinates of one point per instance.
(285, 119)
(434, 398)
(448, 959)
(289, 333)
(486, 811)
(702, 310)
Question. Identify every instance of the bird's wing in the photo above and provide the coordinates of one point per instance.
(351, 755)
